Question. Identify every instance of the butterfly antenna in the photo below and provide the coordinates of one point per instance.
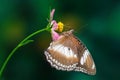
(83, 27)
(80, 28)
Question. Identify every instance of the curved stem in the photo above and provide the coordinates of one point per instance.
(18, 46)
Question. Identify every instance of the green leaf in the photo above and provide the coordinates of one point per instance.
(26, 42)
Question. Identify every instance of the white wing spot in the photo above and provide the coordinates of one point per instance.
(64, 50)
(84, 57)
(93, 66)
(81, 61)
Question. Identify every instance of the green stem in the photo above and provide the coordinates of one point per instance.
(18, 46)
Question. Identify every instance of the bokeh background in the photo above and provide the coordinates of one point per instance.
(96, 23)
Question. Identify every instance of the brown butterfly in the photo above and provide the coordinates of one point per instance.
(70, 54)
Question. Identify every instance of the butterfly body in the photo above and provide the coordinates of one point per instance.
(69, 53)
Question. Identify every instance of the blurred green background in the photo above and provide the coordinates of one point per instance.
(96, 23)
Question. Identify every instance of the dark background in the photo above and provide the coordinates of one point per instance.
(96, 23)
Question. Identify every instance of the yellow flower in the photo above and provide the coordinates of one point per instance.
(60, 26)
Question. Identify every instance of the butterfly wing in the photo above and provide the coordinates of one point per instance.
(68, 53)
(86, 63)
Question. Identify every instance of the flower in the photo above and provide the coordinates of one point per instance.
(60, 26)
(52, 14)
(55, 26)
(55, 35)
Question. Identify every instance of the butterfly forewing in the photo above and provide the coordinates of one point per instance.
(69, 53)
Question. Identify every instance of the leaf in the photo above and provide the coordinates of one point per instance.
(26, 42)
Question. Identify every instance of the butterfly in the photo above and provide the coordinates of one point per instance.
(68, 53)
